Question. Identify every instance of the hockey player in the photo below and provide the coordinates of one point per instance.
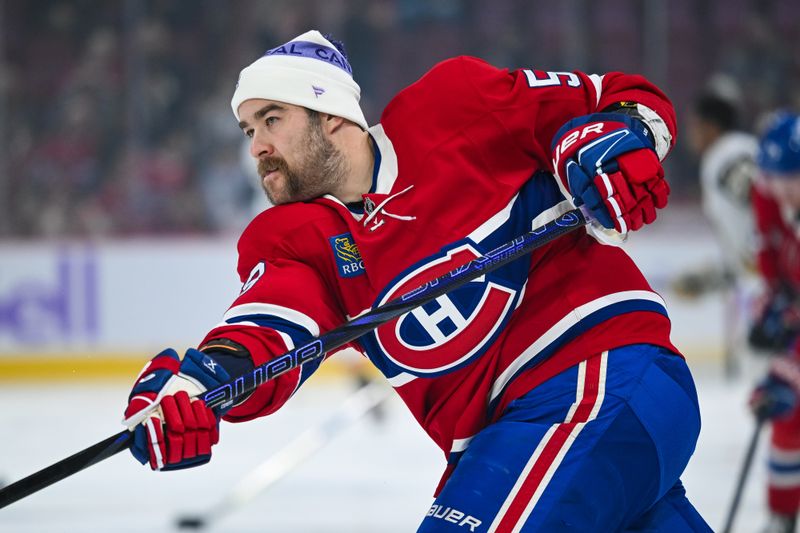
(550, 384)
(727, 171)
(776, 202)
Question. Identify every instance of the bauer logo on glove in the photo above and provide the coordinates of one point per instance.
(608, 163)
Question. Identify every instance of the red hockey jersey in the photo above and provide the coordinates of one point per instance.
(462, 165)
(778, 233)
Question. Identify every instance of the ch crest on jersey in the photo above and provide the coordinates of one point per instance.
(347, 256)
(451, 330)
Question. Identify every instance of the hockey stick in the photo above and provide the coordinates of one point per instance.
(227, 393)
(748, 461)
(294, 453)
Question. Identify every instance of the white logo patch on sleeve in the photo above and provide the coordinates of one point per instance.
(254, 276)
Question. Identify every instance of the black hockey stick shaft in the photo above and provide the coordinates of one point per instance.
(65, 468)
(227, 393)
(740, 483)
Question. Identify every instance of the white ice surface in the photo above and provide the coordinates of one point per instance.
(372, 477)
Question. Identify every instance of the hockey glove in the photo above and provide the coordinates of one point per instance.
(776, 396)
(777, 324)
(180, 431)
(607, 162)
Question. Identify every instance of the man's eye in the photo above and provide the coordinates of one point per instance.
(269, 121)
(248, 133)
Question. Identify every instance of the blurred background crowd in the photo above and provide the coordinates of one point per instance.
(115, 116)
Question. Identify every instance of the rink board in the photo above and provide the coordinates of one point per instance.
(84, 310)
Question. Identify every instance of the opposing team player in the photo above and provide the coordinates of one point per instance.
(550, 384)
(727, 171)
(776, 201)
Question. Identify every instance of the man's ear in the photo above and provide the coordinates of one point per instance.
(331, 123)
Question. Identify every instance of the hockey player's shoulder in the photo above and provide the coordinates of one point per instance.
(729, 167)
(454, 72)
(449, 88)
(462, 64)
(736, 143)
(272, 228)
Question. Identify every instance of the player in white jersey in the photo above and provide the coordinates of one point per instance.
(727, 170)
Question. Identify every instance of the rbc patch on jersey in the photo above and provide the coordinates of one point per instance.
(348, 258)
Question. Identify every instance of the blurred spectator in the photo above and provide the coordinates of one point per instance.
(115, 115)
(229, 191)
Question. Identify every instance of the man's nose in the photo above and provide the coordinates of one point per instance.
(260, 145)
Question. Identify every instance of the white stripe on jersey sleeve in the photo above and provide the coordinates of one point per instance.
(783, 480)
(459, 445)
(784, 457)
(494, 222)
(597, 82)
(287, 340)
(401, 379)
(290, 315)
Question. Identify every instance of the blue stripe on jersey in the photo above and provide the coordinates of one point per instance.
(454, 457)
(297, 333)
(784, 467)
(585, 324)
(538, 195)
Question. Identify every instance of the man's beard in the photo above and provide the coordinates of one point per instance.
(321, 169)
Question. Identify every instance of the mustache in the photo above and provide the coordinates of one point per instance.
(267, 164)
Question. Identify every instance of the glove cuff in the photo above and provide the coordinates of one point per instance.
(202, 370)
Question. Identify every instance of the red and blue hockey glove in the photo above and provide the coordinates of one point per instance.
(171, 429)
(776, 396)
(777, 323)
(608, 163)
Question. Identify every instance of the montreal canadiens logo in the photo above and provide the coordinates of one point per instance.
(450, 330)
